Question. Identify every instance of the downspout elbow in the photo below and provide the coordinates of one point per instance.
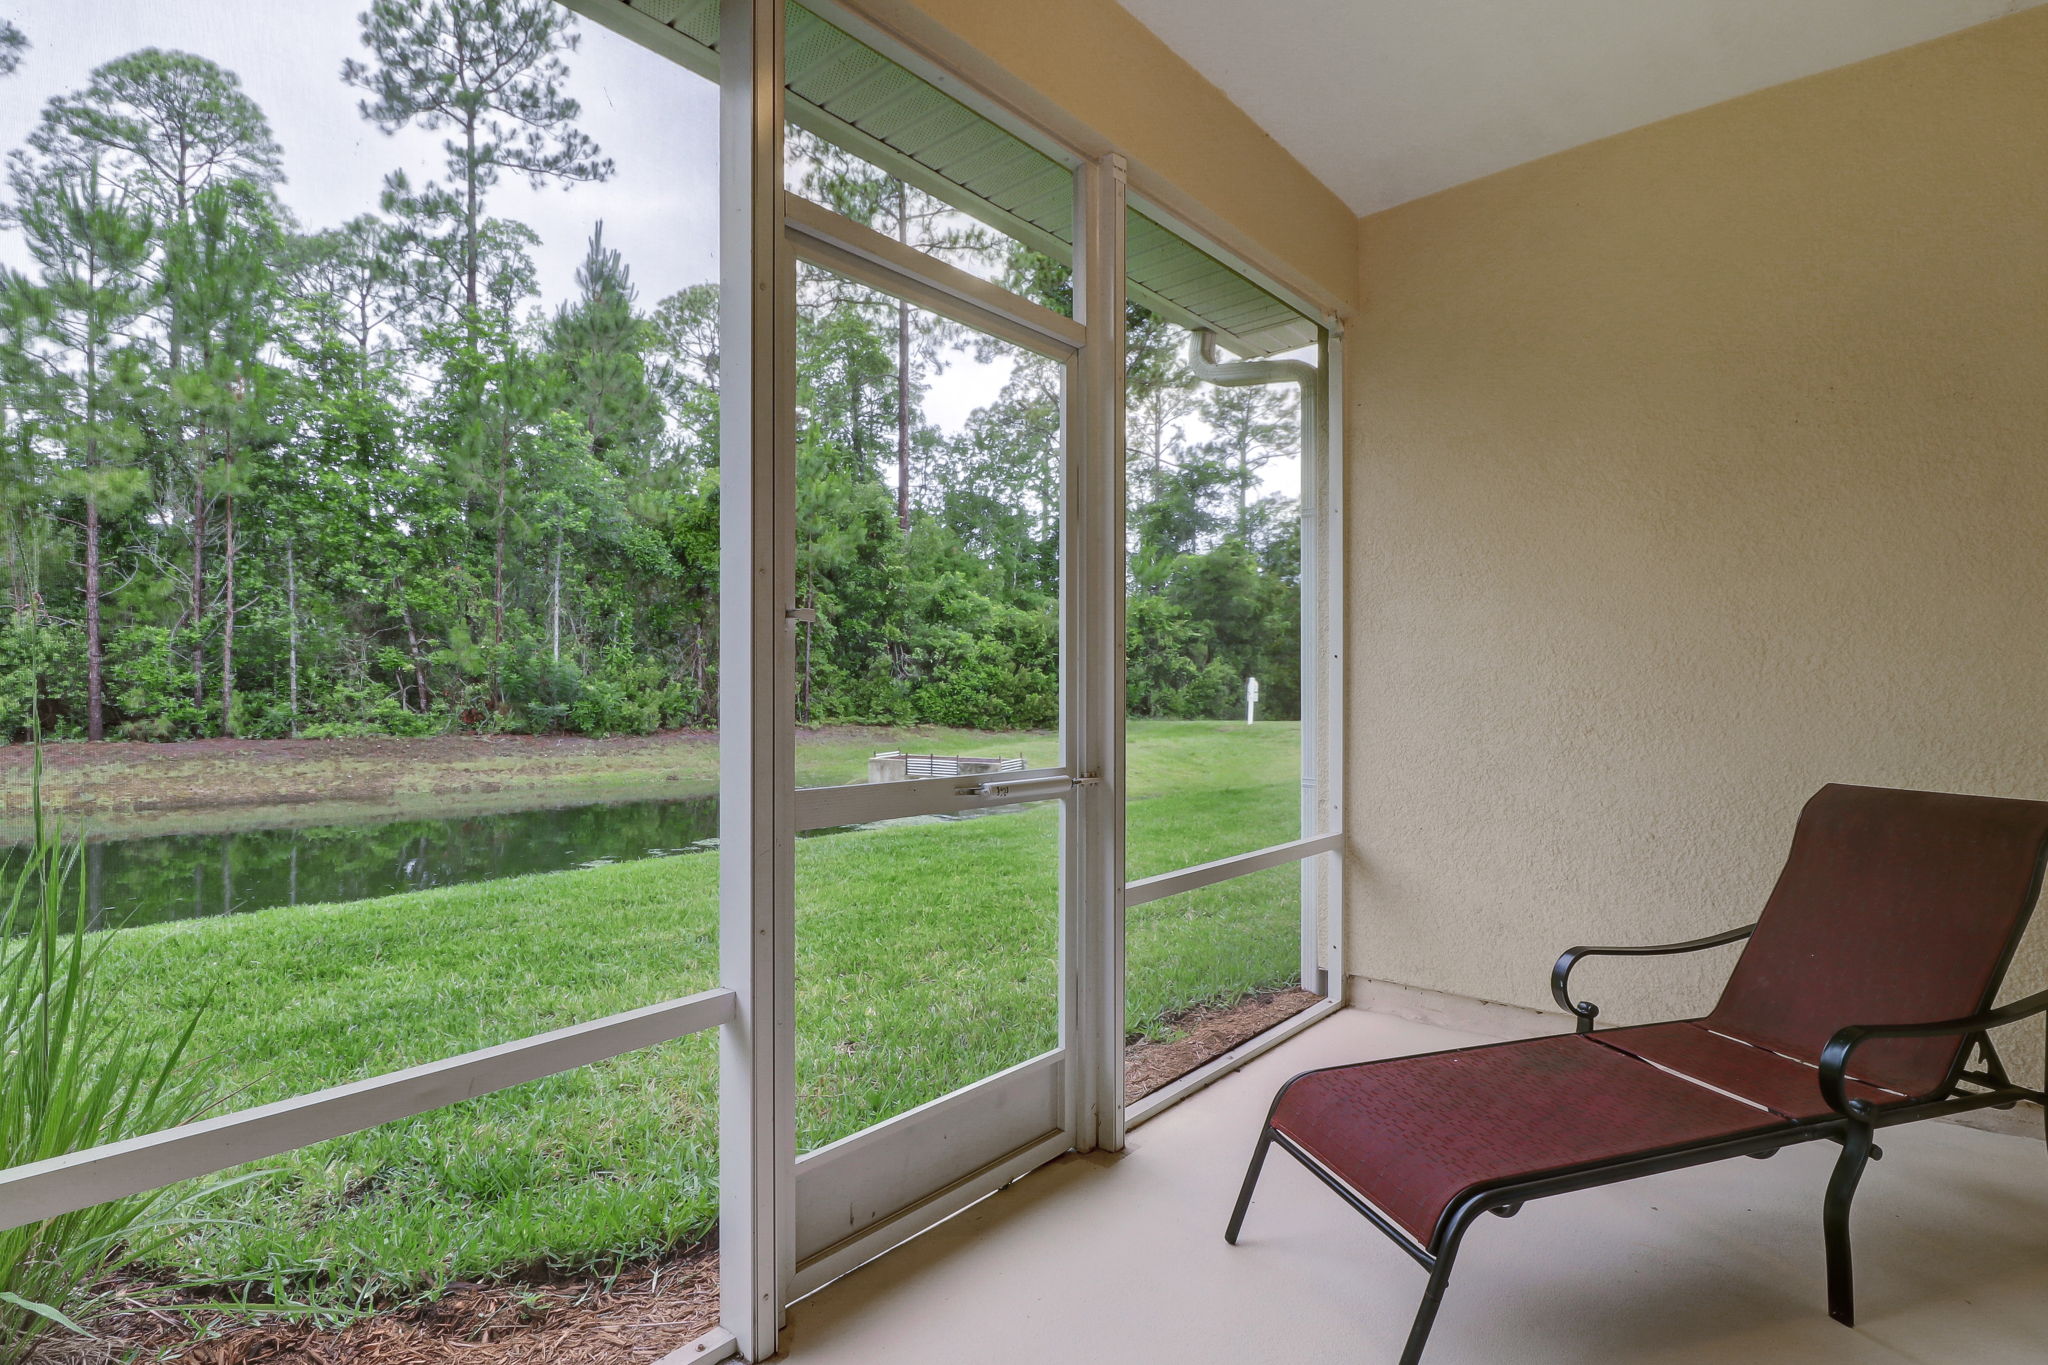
(1208, 366)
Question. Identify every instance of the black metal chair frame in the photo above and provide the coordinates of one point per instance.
(1853, 1124)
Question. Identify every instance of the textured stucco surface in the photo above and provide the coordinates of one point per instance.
(1690, 470)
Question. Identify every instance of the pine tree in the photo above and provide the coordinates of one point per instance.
(1250, 427)
(66, 360)
(355, 275)
(863, 192)
(492, 72)
(224, 293)
(600, 343)
(684, 371)
(166, 126)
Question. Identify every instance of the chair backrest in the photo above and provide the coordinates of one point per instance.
(1895, 907)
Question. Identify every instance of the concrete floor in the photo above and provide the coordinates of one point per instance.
(1102, 1258)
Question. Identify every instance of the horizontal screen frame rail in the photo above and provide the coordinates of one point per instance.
(115, 1170)
(1148, 889)
(1045, 1066)
(815, 1272)
(827, 239)
(714, 1346)
(862, 803)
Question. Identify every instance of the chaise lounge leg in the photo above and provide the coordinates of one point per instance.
(1425, 1316)
(1251, 1180)
(1856, 1148)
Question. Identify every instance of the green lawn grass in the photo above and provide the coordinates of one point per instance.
(926, 960)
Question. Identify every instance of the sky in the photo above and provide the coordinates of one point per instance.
(654, 119)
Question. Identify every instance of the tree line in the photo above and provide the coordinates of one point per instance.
(260, 480)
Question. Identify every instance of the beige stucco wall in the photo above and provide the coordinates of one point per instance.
(1689, 470)
(1093, 75)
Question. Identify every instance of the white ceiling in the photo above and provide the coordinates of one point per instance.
(1388, 100)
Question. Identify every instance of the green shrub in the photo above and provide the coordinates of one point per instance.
(150, 680)
(42, 670)
(626, 695)
(987, 683)
(538, 690)
(348, 709)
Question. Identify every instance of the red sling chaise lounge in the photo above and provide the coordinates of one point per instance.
(1862, 1000)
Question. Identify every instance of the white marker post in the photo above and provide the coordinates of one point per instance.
(1251, 700)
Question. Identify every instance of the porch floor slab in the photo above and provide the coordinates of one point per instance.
(1122, 1257)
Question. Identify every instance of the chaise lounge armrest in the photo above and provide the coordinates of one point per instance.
(1834, 1058)
(1585, 1011)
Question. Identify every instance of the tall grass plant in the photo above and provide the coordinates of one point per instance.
(74, 1073)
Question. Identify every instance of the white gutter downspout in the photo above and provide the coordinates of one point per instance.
(1318, 624)
(1210, 368)
(1230, 374)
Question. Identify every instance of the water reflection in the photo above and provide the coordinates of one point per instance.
(188, 876)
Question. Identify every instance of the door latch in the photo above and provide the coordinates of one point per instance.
(1034, 785)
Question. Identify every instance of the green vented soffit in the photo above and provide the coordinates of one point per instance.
(844, 91)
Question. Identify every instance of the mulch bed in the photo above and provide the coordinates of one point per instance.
(638, 1318)
(1209, 1033)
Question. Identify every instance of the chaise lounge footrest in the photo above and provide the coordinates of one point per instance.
(1414, 1135)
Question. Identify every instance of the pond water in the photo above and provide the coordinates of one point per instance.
(187, 876)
